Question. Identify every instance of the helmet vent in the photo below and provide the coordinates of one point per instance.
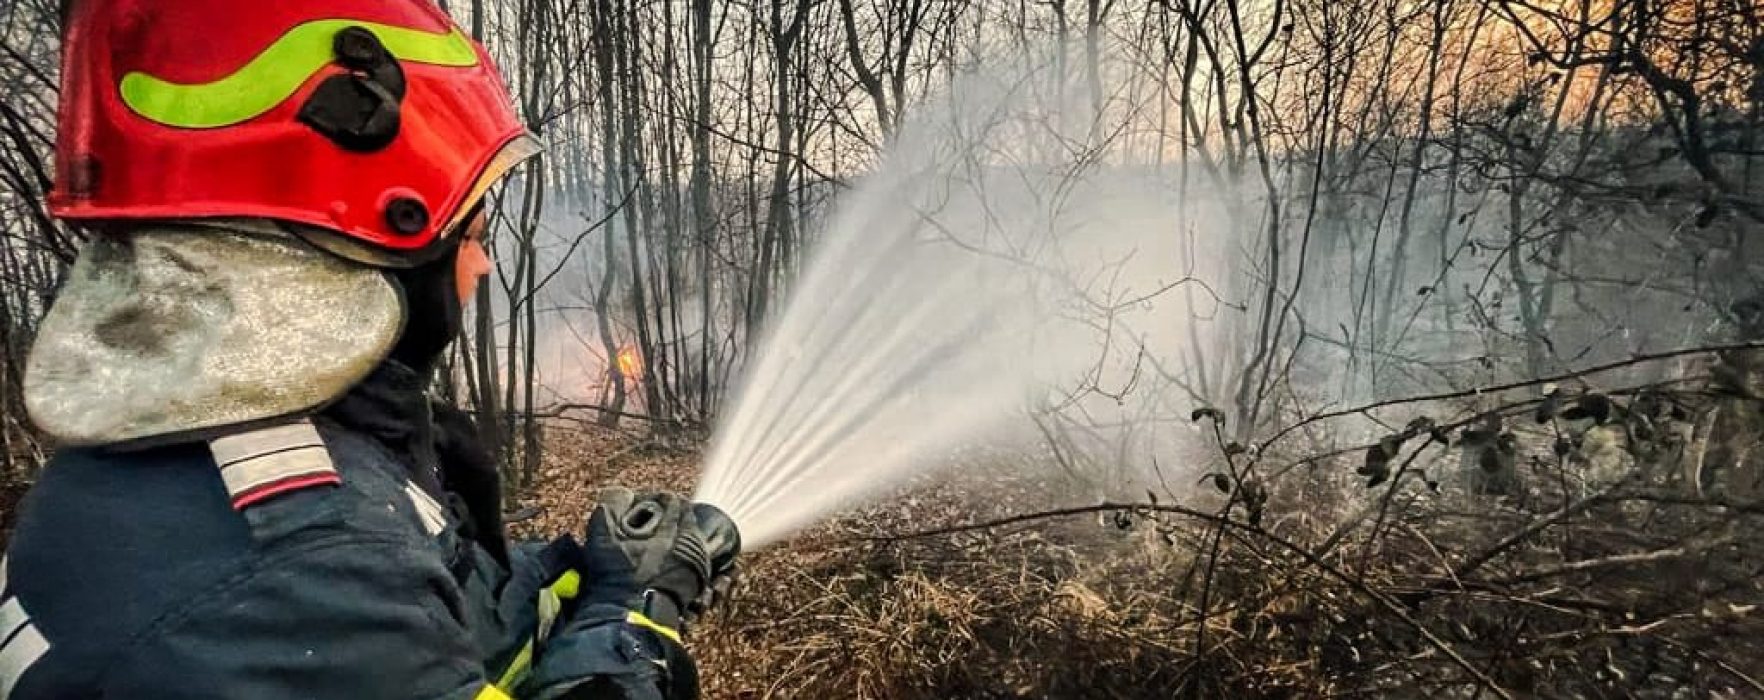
(358, 110)
(407, 216)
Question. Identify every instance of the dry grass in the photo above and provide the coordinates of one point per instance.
(1094, 607)
(1062, 609)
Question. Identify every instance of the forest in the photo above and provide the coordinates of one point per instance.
(1368, 347)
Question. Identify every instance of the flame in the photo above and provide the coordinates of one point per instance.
(630, 363)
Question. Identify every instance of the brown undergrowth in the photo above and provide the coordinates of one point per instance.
(1058, 609)
(1333, 590)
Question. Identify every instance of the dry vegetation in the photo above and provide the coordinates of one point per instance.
(834, 614)
(1598, 575)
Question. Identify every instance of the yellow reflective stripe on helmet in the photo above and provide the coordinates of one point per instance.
(276, 73)
(490, 692)
(641, 620)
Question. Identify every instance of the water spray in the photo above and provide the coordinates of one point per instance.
(949, 290)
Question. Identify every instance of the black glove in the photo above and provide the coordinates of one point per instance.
(725, 545)
(651, 553)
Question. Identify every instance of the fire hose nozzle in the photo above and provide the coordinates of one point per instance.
(721, 537)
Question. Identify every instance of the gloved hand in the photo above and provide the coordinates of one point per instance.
(724, 541)
(650, 553)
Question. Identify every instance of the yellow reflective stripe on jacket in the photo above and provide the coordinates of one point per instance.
(641, 620)
(550, 603)
(517, 669)
(490, 692)
(551, 600)
(567, 586)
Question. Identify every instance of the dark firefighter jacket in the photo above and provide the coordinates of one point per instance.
(139, 575)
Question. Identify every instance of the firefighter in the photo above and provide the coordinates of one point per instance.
(253, 496)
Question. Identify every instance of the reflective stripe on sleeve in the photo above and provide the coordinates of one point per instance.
(490, 692)
(260, 464)
(550, 604)
(427, 509)
(641, 620)
(23, 645)
(12, 617)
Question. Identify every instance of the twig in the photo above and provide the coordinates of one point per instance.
(1627, 559)
(1103, 507)
(1496, 388)
(558, 411)
(1534, 527)
(1756, 685)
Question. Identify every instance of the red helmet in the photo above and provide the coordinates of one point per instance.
(375, 119)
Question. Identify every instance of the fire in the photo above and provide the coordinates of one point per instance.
(630, 363)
